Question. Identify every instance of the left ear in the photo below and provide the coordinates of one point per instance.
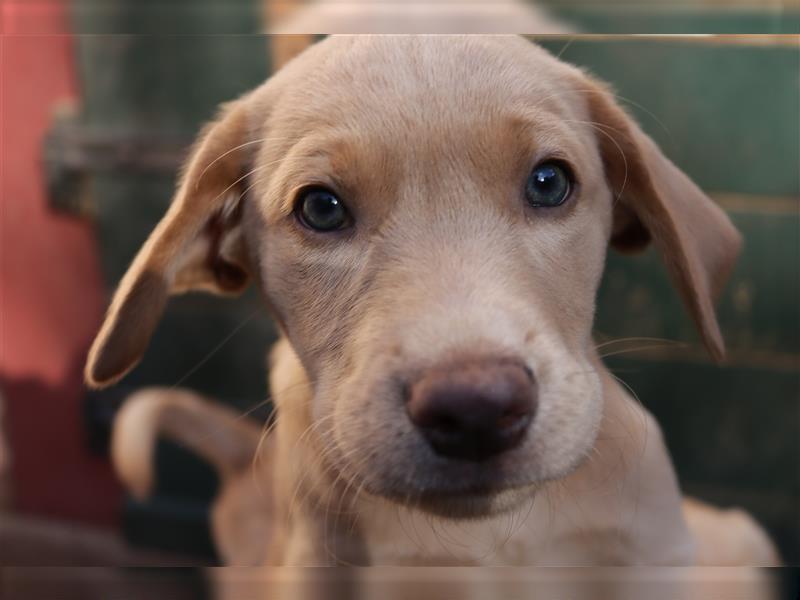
(653, 199)
(198, 245)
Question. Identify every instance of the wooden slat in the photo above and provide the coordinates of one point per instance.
(752, 204)
(707, 39)
(685, 18)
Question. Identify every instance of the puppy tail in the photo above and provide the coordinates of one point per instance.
(217, 433)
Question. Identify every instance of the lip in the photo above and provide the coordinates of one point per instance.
(461, 487)
(464, 502)
(476, 503)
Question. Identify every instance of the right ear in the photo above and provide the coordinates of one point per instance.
(656, 200)
(197, 245)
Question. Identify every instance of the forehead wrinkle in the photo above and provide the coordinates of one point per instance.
(554, 135)
(560, 139)
(310, 160)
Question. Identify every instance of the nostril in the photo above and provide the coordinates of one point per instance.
(447, 423)
(528, 372)
(511, 418)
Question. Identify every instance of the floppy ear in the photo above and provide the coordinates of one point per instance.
(197, 246)
(656, 200)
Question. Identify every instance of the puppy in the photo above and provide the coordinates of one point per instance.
(428, 220)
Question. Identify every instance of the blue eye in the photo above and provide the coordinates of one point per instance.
(320, 209)
(549, 185)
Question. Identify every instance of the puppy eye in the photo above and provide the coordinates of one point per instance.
(320, 209)
(549, 185)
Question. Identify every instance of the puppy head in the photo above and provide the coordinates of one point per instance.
(428, 219)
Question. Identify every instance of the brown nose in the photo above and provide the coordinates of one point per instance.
(473, 410)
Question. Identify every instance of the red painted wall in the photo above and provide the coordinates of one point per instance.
(51, 293)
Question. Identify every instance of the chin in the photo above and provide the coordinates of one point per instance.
(467, 504)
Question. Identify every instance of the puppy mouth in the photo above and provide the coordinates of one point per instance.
(447, 488)
(473, 502)
(468, 500)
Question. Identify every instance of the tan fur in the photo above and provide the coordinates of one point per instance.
(215, 432)
(429, 141)
(432, 17)
(219, 435)
(728, 537)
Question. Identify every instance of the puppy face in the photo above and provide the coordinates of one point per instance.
(428, 219)
(443, 258)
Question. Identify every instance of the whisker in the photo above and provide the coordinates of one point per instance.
(223, 155)
(234, 149)
(601, 129)
(216, 349)
(565, 46)
(636, 339)
(641, 348)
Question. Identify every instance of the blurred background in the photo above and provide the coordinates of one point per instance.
(100, 101)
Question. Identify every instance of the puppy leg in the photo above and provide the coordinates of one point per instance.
(728, 537)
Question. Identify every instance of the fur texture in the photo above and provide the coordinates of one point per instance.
(429, 141)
